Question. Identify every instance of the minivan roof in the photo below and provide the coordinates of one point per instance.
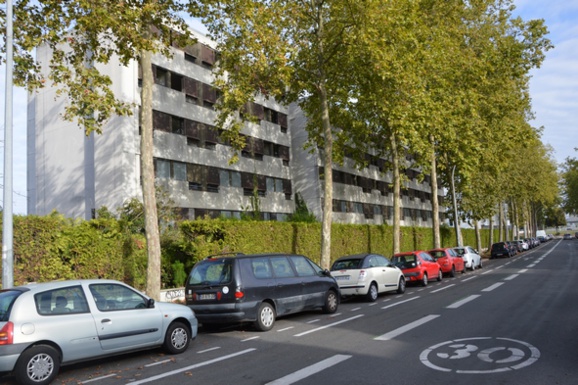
(243, 256)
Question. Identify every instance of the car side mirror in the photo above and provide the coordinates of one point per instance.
(150, 303)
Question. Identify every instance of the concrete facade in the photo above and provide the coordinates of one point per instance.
(76, 174)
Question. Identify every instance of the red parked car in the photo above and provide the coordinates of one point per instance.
(449, 261)
(418, 266)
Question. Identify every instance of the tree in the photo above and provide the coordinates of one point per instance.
(570, 185)
(289, 51)
(83, 34)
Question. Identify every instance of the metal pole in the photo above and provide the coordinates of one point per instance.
(7, 225)
(456, 219)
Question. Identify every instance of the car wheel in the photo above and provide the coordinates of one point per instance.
(331, 302)
(453, 271)
(401, 286)
(372, 293)
(440, 275)
(177, 338)
(265, 317)
(37, 366)
(424, 280)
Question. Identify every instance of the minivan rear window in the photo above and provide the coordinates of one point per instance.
(211, 271)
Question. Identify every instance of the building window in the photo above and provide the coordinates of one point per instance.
(162, 77)
(177, 125)
(179, 171)
(228, 178)
(162, 169)
(190, 58)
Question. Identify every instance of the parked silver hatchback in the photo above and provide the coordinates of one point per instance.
(46, 325)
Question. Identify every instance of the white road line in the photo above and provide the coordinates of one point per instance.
(399, 303)
(287, 328)
(355, 309)
(456, 305)
(522, 271)
(313, 321)
(208, 350)
(250, 339)
(158, 363)
(328, 326)
(394, 333)
(200, 364)
(511, 277)
(467, 279)
(494, 286)
(443, 288)
(310, 370)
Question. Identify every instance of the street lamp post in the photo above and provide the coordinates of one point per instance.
(7, 225)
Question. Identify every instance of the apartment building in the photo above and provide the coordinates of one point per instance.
(76, 174)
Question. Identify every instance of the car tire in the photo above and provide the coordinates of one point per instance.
(401, 286)
(265, 317)
(440, 275)
(177, 338)
(452, 271)
(372, 293)
(331, 302)
(424, 280)
(37, 365)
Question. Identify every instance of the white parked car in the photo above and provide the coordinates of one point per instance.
(46, 325)
(367, 275)
(472, 259)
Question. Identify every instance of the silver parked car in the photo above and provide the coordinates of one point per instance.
(367, 275)
(471, 257)
(46, 325)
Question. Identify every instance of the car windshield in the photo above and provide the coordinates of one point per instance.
(437, 254)
(347, 264)
(460, 252)
(7, 298)
(404, 261)
(211, 272)
(499, 246)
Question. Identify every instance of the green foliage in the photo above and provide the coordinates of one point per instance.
(301, 214)
(52, 247)
(570, 185)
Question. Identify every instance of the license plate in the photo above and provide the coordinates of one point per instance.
(204, 297)
(342, 277)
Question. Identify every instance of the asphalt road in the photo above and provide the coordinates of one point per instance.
(513, 322)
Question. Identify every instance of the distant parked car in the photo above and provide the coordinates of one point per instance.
(567, 237)
(472, 259)
(500, 250)
(524, 245)
(46, 325)
(448, 260)
(367, 275)
(257, 288)
(418, 266)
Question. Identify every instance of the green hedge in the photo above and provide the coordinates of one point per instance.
(52, 247)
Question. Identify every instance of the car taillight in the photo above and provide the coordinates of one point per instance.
(362, 275)
(7, 334)
(239, 293)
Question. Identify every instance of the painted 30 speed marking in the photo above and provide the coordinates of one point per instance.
(480, 355)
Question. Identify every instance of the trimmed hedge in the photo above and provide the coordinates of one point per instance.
(52, 247)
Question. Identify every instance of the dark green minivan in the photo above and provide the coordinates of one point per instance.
(258, 288)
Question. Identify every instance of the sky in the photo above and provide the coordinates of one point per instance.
(553, 89)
